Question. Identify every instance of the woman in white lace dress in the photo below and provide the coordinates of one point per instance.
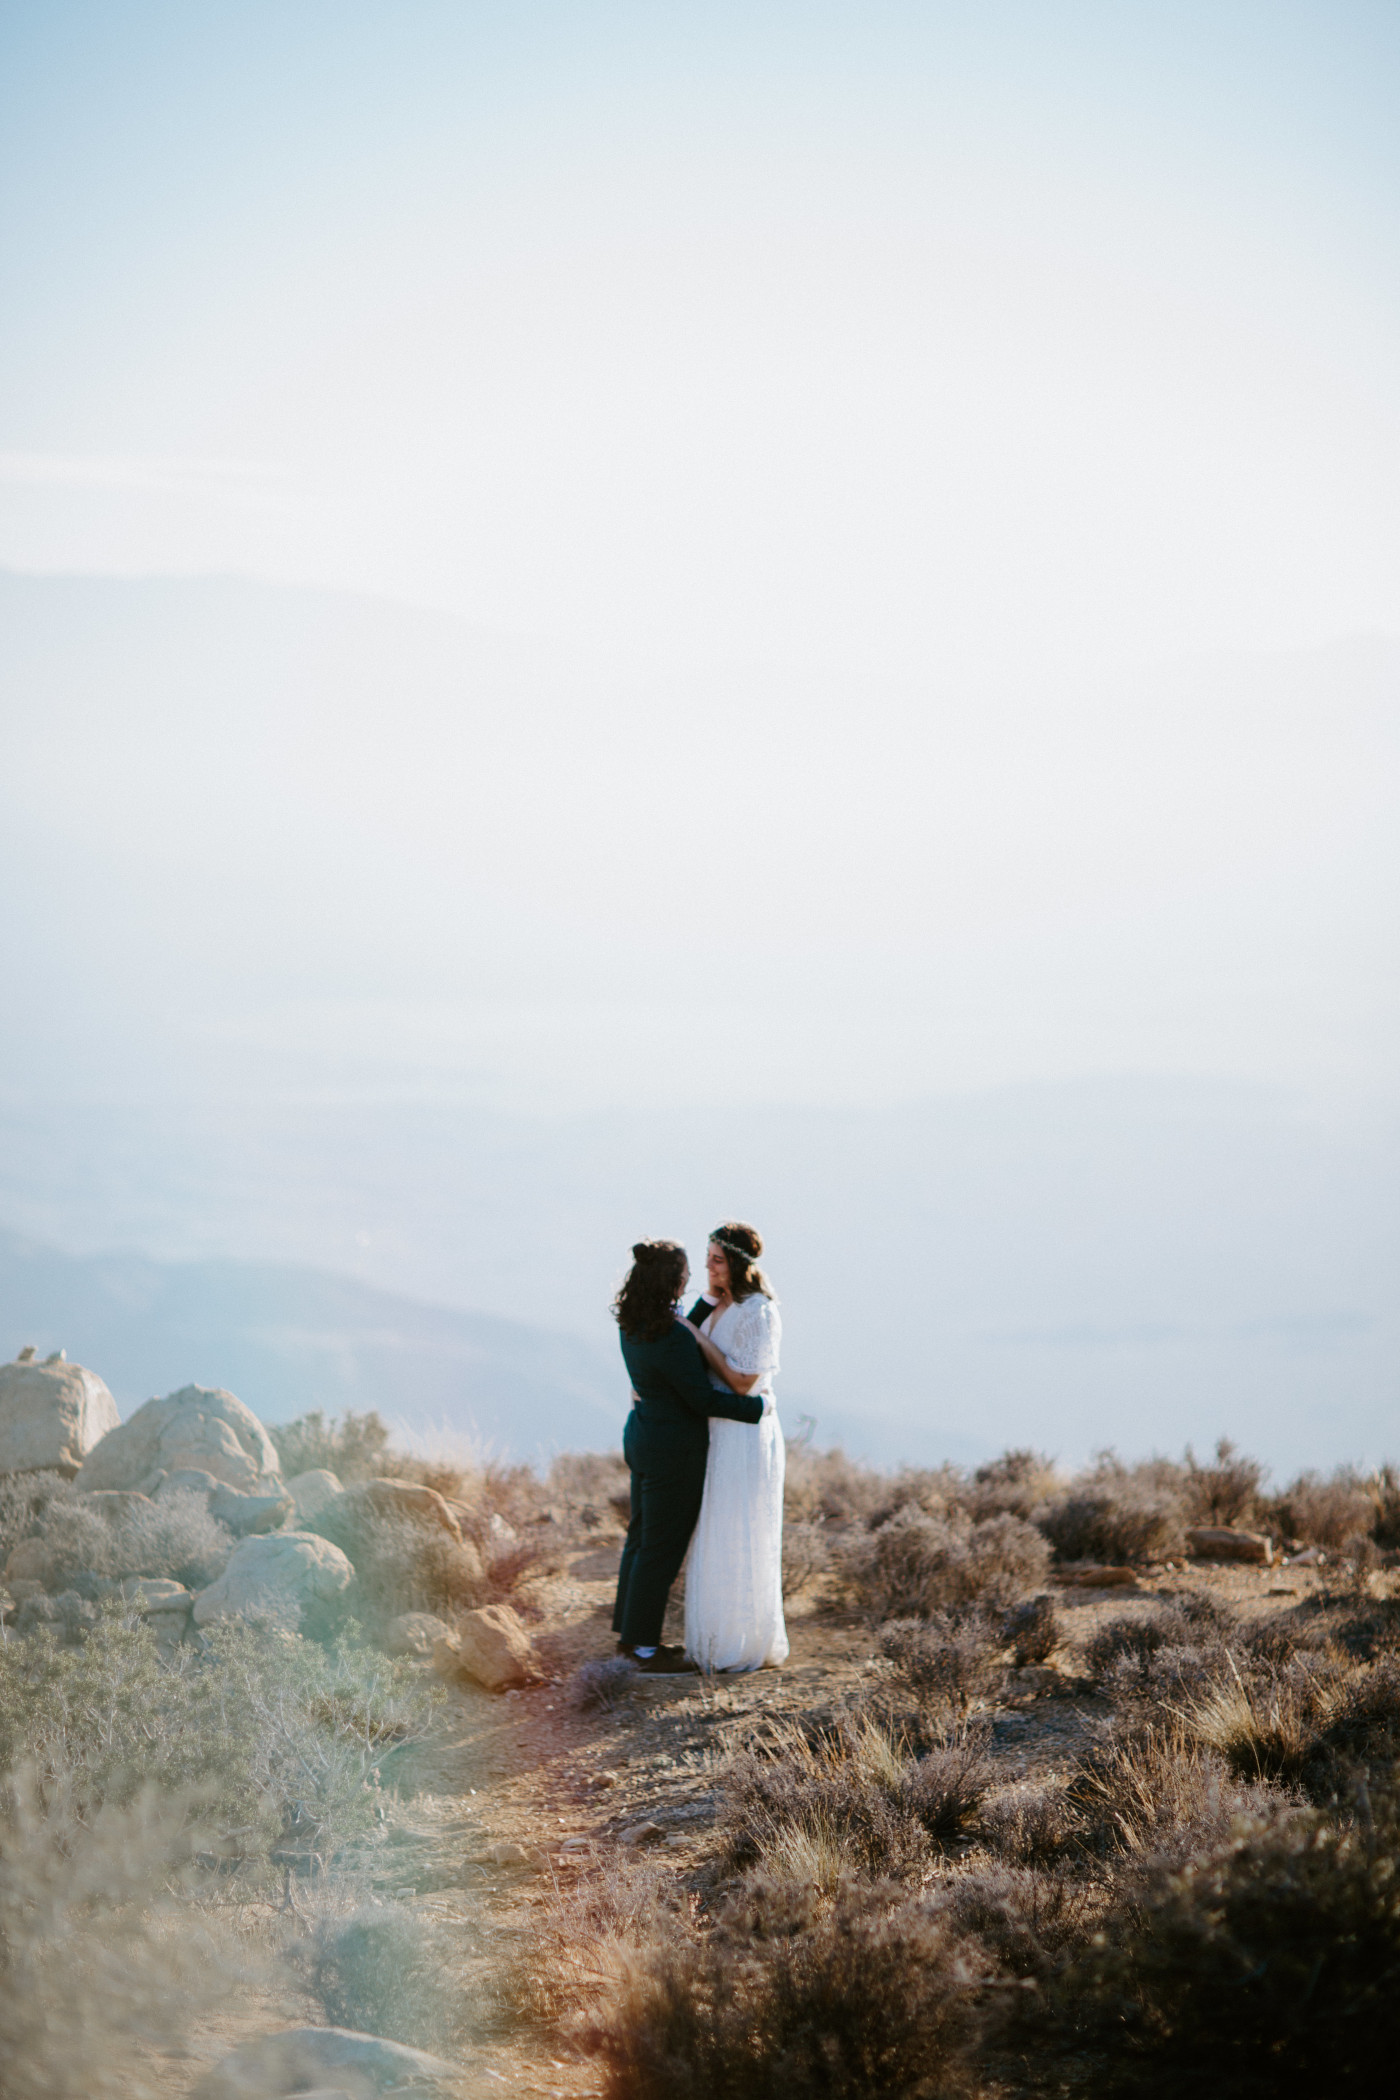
(734, 1577)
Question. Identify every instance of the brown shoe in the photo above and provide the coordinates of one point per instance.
(668, 1662)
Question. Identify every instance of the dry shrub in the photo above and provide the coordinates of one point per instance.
(1322, 1512)
(403, 1561)
(872, 1999)
(23, 1499)
(1025, 1920)
(1225, 1492)
(100, 1963)
(933, 1489)
(351, 1446)
(806, 1557)
(915, 1564)
(174, 1535)
(587, 1483)
(1368, 1632)
(1384, 1490)
(602, 1687)
(254, 1723)
(1033, 1824)
(1032, 1631)
(1014, 1485)
(586, 1936)
(1269, 1964)
(826, 1487)
(1118, 1514)
(945, 1660)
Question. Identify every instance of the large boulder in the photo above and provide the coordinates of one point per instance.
(404, 1501)
(490, 1648)
(304, 2060)
(200, 1429)
(292, 1579)
(51, 1415)
(311, 1491)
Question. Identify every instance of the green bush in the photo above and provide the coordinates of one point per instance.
(351, 1446)
(100, 1960)
(254, 1723)
(173, 1535)
(387, 1970)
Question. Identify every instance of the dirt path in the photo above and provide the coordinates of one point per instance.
(520, 1795)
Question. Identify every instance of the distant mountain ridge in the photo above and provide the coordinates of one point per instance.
(287, 1338)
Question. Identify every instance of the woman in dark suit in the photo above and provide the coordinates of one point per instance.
(666, 1444)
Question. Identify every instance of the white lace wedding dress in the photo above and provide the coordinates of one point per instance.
(734, 1576)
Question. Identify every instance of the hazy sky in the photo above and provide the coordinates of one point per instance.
(936, 466)
(916, 336)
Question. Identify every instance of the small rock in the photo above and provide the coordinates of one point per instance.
(1090, 1575)
(248, 1516)
(155, 1593)
(303, 2060)
(504, 1855)
(639, 1834)
(499, 1532)
(490, 1648)
(1221, 1542)
(1311, 1557)
(51, 1415)
(414, 1633)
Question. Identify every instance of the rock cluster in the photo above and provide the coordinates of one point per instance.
(293, 1565)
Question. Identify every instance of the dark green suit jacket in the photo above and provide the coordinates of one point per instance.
(675, 1399)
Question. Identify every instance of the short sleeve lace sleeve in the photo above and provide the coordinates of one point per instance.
(753, 1347)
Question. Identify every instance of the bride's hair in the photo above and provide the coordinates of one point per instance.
(645, 1305)
(742, 1246)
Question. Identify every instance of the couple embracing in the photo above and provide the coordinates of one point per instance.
(706, 1458)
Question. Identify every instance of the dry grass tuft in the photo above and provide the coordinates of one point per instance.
(855, 1802)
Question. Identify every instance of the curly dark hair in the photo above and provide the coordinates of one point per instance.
(646, 1304)
(741, 1246)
